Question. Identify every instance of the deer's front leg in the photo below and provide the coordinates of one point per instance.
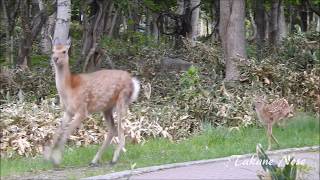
(49, 152)
(66, 132)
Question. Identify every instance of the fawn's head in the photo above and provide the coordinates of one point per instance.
(259, 102)
(60, 55)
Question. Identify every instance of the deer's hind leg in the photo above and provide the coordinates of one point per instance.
(111, 133)
(121, 108)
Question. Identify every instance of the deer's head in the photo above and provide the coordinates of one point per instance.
(60, 55)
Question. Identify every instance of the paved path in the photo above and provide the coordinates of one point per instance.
(233, 167)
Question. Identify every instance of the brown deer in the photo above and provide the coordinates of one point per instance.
(105, 91)
(272, 113)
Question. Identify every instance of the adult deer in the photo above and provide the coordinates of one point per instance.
(272, 113)
(105, 91)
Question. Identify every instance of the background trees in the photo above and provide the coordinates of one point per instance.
(28, 25)
(183, 51)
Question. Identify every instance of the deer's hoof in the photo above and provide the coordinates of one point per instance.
(94, 164)
(112, 163)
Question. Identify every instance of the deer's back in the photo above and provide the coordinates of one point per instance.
(276, 111)
(100, 90)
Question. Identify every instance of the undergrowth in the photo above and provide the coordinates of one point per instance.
(303, 130)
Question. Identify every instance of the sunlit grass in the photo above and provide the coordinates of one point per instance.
(302, 130)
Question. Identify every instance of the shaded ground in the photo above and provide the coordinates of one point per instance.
(233, 167)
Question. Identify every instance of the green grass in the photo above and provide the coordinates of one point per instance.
(302, 130)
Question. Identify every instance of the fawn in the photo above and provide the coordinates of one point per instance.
(272, 113)
(103, 91)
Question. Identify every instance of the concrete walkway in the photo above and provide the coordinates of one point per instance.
(233, 167)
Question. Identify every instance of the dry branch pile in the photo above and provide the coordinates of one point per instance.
(28, 127)
(171, 105)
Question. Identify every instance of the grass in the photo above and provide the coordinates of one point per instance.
(302, 130)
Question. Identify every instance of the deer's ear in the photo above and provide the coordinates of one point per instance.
(68, 44)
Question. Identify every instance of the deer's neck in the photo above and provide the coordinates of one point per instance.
(63, 78)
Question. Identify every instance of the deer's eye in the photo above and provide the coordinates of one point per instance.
(63, 52)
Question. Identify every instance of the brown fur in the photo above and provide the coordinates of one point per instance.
(272, 113)
(82, 94)
(75, 81)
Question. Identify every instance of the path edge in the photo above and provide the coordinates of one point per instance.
(128, 173)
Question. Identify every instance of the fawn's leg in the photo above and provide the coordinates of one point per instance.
(269, 133)
(57, 151)
(275, 140)
(111, 133)
(121, 109)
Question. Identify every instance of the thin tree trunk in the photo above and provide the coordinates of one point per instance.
(148, 23)
(303, 16)
(194, 20)
(282, 24)
(26, 40)
(155, 28)
(30, 28)
(277, 23)
(274, 25)
(254, 27)
(10, 12)
(232, 33)
(94, 29)
(261, 26)
(215, 20)
(8, 50)
(61, 31)
(318, 24)
(113, 23)
(47, 33)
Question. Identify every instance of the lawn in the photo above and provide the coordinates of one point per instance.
(302, 130)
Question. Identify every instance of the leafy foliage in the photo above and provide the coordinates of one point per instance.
(288, 172)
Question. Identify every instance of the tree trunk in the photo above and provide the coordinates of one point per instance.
(261, 26)
(10, 12)
(277, 23)
(113, 23)
(282, 24)
(194, 20)
(31, 28)
(155, 28)
(303, 16)
(5, 21)
(254, 27)
(94, 29)
(318, 24)
(46, 34)
(293, 17)
(274, 27)
(180, 9)
(148, 23)
(215, 20)
(232, 33)
(61, 31)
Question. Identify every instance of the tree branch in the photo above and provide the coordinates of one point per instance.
(315, 10)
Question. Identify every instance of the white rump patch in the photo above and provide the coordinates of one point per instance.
(136, 89)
